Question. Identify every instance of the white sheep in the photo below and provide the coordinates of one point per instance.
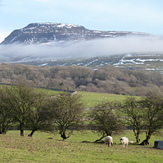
(124, 141)
(108, 140)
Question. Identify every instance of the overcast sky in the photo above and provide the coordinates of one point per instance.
(109, 15)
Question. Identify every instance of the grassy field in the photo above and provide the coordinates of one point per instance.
(80, 147)
(49, 148)
(91, 99)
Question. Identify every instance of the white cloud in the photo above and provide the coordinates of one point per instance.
(100, 47)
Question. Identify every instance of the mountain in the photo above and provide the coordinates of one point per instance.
(51, 44)
(36, 33)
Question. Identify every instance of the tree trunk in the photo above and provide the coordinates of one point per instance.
(146, 141)
(137, 138)
(136, 133)
(32, 132)
(3, 129)
(100, 138)
(21, 129)
(63, 135)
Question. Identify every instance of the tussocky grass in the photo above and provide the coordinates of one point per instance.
(80, 147)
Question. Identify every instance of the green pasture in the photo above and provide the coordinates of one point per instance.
(80, 147)
(91, 99)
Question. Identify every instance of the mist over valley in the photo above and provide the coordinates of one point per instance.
(53, 44)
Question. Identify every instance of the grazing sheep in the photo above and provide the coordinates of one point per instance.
(109, 141)
(124, 141)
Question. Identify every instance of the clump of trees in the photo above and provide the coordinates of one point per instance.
(106, 79)
(144, 114)
(28, 108)
(23, 106)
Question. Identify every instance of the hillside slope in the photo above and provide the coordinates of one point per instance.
(106, 79)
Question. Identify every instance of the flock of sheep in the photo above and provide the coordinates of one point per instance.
(123, 140)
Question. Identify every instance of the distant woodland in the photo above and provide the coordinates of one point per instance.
(107, 79)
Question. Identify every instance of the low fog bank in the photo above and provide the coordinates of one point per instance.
(83, 49)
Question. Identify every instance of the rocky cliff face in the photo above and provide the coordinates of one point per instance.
(37, 33)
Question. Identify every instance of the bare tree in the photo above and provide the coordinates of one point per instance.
(66, 113)
(6, 118)
(22, 101)
(105, 121)
(133, 115)
(39, 115)
(153, 114)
